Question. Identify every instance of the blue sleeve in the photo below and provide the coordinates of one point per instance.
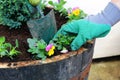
(110, 15)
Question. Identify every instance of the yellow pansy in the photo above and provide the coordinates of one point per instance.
(76, 12)
(51, 51)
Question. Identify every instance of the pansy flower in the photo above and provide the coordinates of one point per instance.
(50, 49)
(76, 11)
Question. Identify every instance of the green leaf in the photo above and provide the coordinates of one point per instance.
(32, 42)
(16, 42)
(33, 50)
(3, 53)
(59, 47)
(6, 45)
(41, 44)
(41, 55)
(13, 52)
(2, 40)
(51, 3)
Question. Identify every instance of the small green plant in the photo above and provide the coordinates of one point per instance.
(13, 50)
(59, 6)
(63, 41)
(37, 48)
(6, 49)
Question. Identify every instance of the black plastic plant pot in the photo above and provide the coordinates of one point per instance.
(74, 65)
(43, 28)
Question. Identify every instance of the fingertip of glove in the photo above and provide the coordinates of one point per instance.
(73, 47)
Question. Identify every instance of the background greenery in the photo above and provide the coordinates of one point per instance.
(13, 12)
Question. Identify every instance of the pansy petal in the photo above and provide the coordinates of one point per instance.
(48, 47)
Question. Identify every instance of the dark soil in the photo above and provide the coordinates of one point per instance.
(22, 34)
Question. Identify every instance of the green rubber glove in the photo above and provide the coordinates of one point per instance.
(85, 30)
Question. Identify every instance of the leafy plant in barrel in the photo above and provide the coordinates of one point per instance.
(37, 48)
(6, 49)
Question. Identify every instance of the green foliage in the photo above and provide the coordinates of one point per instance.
(59, 6)
(67, 13)
(13, 13)
(6, 49)
(63, 41)
(37, 48)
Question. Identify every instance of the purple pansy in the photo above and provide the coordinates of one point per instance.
(75, 8)
(49, 46)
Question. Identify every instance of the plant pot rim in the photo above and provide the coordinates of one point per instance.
(42, 62)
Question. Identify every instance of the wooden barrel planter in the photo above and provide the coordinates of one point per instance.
(72, 66)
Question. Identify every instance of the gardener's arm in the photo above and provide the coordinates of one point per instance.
(110, 15)
(94, 26)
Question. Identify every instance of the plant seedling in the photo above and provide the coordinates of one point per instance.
(6, 49)
(37, 48)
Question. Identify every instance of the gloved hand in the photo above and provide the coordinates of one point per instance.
(85, 30)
